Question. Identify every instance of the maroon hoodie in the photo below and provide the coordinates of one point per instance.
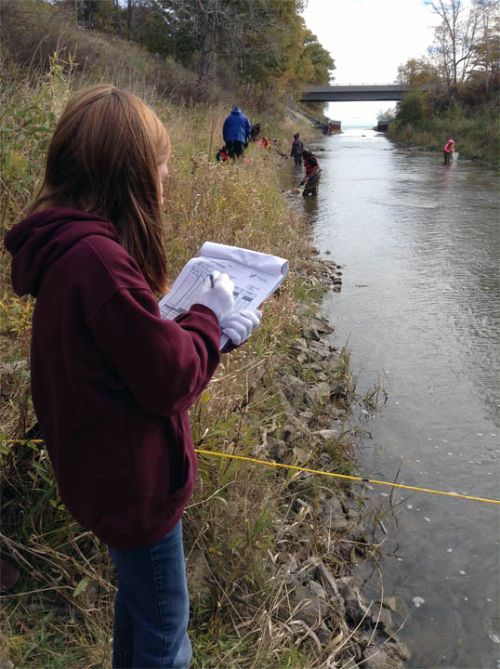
(111, 381)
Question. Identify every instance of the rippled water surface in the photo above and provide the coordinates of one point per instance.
(420, 311)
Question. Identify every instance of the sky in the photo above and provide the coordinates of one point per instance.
(369, 39)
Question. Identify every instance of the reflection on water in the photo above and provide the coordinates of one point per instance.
(420, 309)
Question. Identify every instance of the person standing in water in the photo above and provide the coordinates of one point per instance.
(313, 172)
(297, 149)
(111, 381)
(448, 150)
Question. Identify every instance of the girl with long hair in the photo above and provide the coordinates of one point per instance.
(111, 381)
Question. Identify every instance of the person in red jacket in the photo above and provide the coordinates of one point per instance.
(448, 150)
(313, 173)
(111, 381)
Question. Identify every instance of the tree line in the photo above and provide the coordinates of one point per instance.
(262, 44)
(462, 65)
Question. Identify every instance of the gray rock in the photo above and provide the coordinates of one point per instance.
(398, 650)
(320, 392)
(323, 634)
(331, 588)
(390, 603)
(311, 333)
(320, 350)
(311, 609)
(353, 516)
(339, 391)
(295, 428)
(333, 516)
(327, 435)
(294, 388)
(321, 325)
(300, 345)
(354, 602)
(382, 617)
(317, 589)
(306, 415)
(378, 658)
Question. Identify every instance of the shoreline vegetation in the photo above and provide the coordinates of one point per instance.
(476, 133)
(271, 556)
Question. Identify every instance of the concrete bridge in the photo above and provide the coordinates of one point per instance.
(353, 93)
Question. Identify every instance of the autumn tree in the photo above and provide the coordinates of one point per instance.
(94, 14)
(467, 40)
(315, 64)
(170, 28)
(455, 38)
(274, 52)
(420, 75)
(486, 56)
(263, 44)
(417, 72)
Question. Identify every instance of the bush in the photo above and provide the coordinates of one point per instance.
(410, 109)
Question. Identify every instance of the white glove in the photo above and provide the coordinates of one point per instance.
(240, 325)
(219, 297)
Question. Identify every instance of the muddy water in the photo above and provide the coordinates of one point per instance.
(420, 312)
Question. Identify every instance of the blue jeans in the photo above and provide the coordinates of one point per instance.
(152, 606)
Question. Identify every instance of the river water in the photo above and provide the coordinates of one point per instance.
(419, 310)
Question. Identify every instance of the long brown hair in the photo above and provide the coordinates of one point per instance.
(103, 159)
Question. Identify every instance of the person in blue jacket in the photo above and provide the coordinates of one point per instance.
(236, 132)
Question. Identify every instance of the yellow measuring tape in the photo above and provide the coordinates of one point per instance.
(308, 470)
(346, 477)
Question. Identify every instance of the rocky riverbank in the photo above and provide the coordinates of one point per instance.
(326, 533)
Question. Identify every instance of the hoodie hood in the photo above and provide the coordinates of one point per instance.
(235, 110)
(42, 238)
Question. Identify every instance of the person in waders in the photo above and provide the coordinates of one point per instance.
(312, 176)
(297, 149)
(448, 151)
(112, 382)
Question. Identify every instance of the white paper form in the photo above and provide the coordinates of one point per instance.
(255, 276)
